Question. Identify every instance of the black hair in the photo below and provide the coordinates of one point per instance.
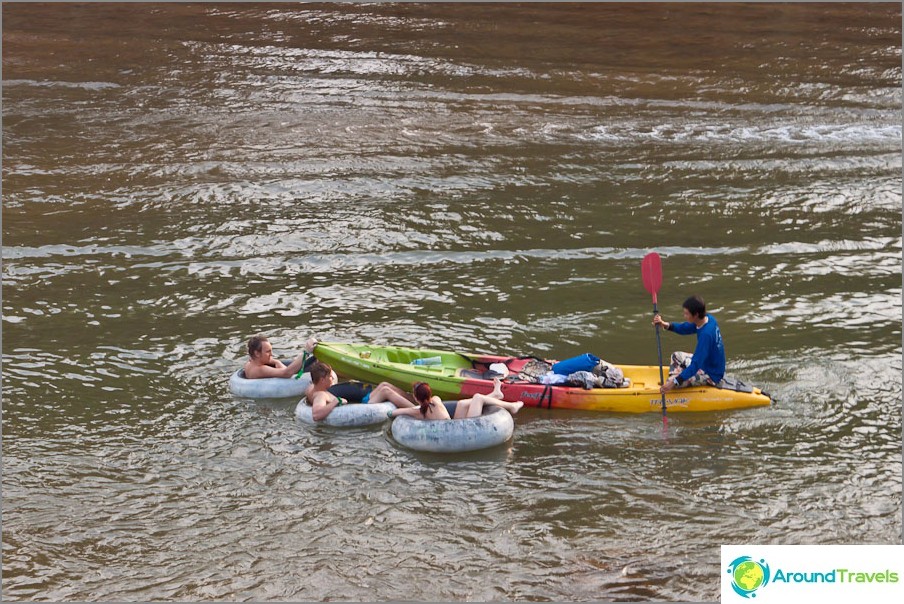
(696, 306)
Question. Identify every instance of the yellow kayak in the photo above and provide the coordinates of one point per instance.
(458, 375)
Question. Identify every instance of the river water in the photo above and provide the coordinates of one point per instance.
(479, 177)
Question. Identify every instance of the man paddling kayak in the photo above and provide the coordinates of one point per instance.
(707, 365)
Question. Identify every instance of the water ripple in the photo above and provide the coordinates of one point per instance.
(366, 173)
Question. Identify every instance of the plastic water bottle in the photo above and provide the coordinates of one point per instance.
(428, 361)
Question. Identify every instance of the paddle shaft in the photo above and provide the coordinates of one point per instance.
(651, 269)
(659, 350)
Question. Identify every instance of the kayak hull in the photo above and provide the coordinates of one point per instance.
(461, 375)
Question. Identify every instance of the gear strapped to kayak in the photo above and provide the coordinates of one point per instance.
(461, 375)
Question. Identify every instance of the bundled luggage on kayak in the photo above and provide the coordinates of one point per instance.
(460, 375)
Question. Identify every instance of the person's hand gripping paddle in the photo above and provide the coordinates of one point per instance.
(651, 269)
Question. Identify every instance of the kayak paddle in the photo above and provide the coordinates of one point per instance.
(651, 269)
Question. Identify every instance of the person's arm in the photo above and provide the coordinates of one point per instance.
(414, 411)
(292, 368)
(322, 405)
(658, 320)
(265, 371)
(701, 354)
(684, 329)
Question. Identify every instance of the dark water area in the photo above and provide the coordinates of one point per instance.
(482, 177)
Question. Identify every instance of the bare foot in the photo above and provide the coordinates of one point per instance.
(516, 407)
(497, 389)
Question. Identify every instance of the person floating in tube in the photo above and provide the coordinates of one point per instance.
(432, 408)
(261, 363)
(324, 396)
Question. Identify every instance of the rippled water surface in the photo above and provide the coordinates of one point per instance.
(482, 177)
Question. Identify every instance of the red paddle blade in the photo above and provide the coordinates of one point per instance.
(651, 268)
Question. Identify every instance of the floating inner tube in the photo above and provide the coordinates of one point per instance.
(239, 385)
(352, 415)
(494, 427)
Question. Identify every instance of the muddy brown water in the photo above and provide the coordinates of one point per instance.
(482, 177)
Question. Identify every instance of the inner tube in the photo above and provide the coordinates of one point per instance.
(494, 427)
(353, 415)
(239, 385)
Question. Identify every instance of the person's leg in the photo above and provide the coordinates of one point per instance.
(497, 389)
(680, 360)
(386, 392)
(353, 391)
(474, 407)
(477, 403)
(512, 408)
(462, 408)
(701, 379)
(402, 395)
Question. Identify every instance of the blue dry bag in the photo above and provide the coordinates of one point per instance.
(584, 362)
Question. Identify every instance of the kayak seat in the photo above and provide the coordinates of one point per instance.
(730, 383)
(479, 375)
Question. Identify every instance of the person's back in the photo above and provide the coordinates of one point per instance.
(710, 351)
(321, 399)
(431, 406)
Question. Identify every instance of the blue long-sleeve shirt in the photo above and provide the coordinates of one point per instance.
(710, 352)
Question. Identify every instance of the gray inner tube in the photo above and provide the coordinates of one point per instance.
(352, 415)
(492, 428)
(239, 385)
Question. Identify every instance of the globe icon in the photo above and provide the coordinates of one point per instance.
(748, 575)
